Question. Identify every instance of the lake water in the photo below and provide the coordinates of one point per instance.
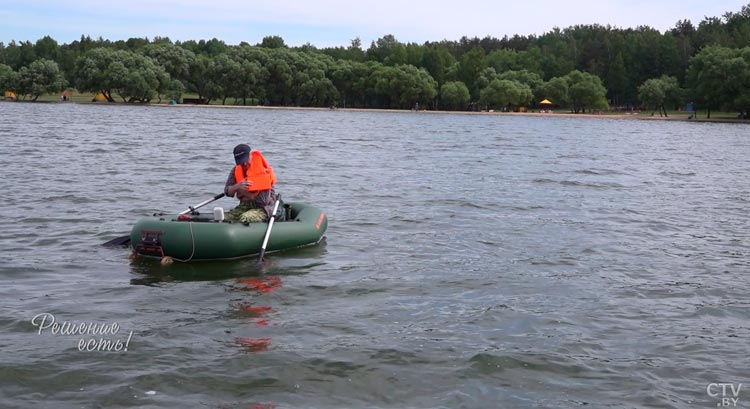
(471, 261)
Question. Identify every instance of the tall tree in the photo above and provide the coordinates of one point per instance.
(47, 48)
(436, 59)
(683, 33)
(470, 68)
(272, 42)
(617, 79)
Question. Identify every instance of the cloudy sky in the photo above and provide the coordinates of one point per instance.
(326, 23)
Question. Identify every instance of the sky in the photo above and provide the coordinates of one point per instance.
(333, 23)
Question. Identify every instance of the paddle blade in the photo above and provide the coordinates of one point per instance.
(118, 242)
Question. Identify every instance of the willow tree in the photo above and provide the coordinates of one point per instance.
(719, 76)
(454, 95)
(506, 94)
(585, 91)
(40, 77)
(658, 92)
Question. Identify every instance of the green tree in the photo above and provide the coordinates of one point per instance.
(413, 85)
(741, 102)
(317, 90)
(617, 80)
(343, 77)
(19, 55)
(505, 60)
(683, 33)
(738, 27)
(248, 78)
(47, 48)
(8, 79)
(485, 78)
(310, 84)
(249, 75)
(454, 95)
(210, 48)
(40, 77)
(718, 76)
(136, 43)
(144, 81)
(414, 54)
(555, 90)
(272, 42)
(506, 94)
(198, 80)
(398, 55)
(651, 93)
(656, 93)
(172, 90)
(401, 87)
(436, 59)
(94, 71)
(470, 68)
(711, 32)
(134, 77)
(528, 78)
(280, 79)
(355, 50)
(512, 60)
(383, 48)
(175, 60)
(557, 54)
(585, 91)
(223, 74)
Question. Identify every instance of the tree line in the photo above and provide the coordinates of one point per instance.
(581, 68)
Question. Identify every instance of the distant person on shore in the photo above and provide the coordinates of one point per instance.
(252, 180)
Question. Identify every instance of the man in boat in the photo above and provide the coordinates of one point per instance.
(252, 180)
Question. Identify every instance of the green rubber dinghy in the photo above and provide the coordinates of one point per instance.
(195, 237)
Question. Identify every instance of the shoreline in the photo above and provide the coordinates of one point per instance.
(623, 116)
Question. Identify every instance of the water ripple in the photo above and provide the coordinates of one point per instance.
(470, 261)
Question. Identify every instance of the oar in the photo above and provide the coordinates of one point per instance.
(268, 231)
(199, 205)
(125, 240)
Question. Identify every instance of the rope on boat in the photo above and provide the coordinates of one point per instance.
(192, 240)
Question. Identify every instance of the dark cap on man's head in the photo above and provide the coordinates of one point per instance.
(241, 153)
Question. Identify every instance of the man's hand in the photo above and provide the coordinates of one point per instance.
(241, 186)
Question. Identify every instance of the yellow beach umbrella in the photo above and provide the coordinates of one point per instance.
(545, 102)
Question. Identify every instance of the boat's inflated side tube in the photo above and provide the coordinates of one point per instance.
(204, 240)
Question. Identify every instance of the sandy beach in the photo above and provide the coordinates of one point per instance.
(636, 115)
(605, 115)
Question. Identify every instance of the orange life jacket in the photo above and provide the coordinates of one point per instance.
(258, 172)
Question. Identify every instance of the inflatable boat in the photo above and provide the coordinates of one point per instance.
(193, 236)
